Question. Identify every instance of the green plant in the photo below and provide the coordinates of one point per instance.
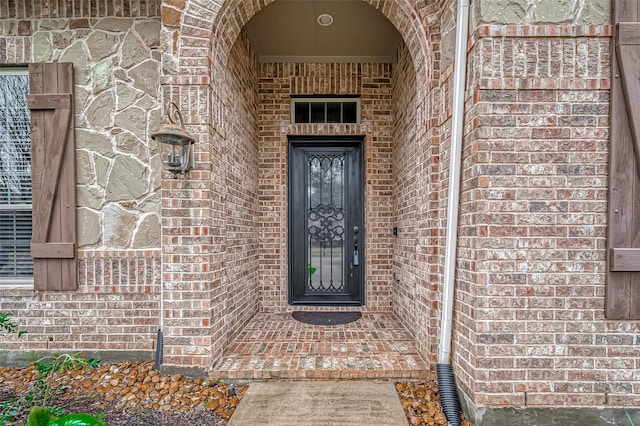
(629, 417)
(8, 326)
(44, 388)
(79, 419)
(311, 269)
(40, 416)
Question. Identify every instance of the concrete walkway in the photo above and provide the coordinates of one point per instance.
(321, 403)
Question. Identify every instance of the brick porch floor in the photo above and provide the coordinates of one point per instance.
(277, 346)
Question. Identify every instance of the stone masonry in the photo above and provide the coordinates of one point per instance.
(116, 59)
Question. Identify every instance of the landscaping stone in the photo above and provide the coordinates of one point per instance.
(129, 143)
(596, 12)
(133, 119)
(102, 166)
(102, 74)
(79, 97)
(114, 24)
(52, 24)
(145, 77)
(132, 392)
(42, 47)
(94, 141)
(126, 95)
(149, 31)
(77, 55)
(62, 40)
(89, 196)
(84, 170)
(9, 28)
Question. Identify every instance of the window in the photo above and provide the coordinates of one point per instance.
(325, 110)
(16, 264)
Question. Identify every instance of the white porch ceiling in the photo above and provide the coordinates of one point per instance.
(288, 31)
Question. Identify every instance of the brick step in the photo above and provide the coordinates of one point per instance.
(277, 346)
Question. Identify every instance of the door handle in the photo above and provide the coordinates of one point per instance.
(356, 260)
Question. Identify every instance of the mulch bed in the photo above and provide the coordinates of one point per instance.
(133, 394)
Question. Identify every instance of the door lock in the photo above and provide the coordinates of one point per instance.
(356, 260)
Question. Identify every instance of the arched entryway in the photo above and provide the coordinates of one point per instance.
(238, 197)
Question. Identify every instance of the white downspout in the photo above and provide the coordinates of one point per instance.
(446, 378)
(457, 124)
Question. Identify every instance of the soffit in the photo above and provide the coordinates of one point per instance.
(288, 31)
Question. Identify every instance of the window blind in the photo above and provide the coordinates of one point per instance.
(15, 176)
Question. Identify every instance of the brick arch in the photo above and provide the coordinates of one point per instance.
(203, 19)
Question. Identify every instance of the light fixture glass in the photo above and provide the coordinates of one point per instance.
(325, 19)
(180, 157)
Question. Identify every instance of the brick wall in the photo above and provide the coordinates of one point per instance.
(30, 9)
(411, 296)
(117, 304)
(242, 191)
(533, 224)
(198, 38)
(210, 227)
(277, 82)
(528, 326)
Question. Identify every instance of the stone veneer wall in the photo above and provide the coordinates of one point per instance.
(116, 71)
(115, 50)
(277, 82)
(531, 329)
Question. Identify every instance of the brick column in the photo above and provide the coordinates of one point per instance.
(533, 213)
(188, 240)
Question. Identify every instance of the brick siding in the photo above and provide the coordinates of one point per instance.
(116, 306)
(530, 310)
(210, 227)
(529, 325)
(277, 82)
(36, 9)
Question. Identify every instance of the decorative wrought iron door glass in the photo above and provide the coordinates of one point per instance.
(325, 222)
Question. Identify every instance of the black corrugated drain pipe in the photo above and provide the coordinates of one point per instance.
(449, 394)
(159, 349)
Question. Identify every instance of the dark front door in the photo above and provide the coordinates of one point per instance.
(326, 229)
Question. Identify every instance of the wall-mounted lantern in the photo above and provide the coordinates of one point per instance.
(180, 157)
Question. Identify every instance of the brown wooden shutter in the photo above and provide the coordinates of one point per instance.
(53, 242)
(623, 242)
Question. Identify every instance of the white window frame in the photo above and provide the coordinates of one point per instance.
(295, 100)
(13, 282)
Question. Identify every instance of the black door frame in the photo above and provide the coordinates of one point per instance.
(328, 141)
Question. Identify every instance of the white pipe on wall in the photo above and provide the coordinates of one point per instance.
(457, 125)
